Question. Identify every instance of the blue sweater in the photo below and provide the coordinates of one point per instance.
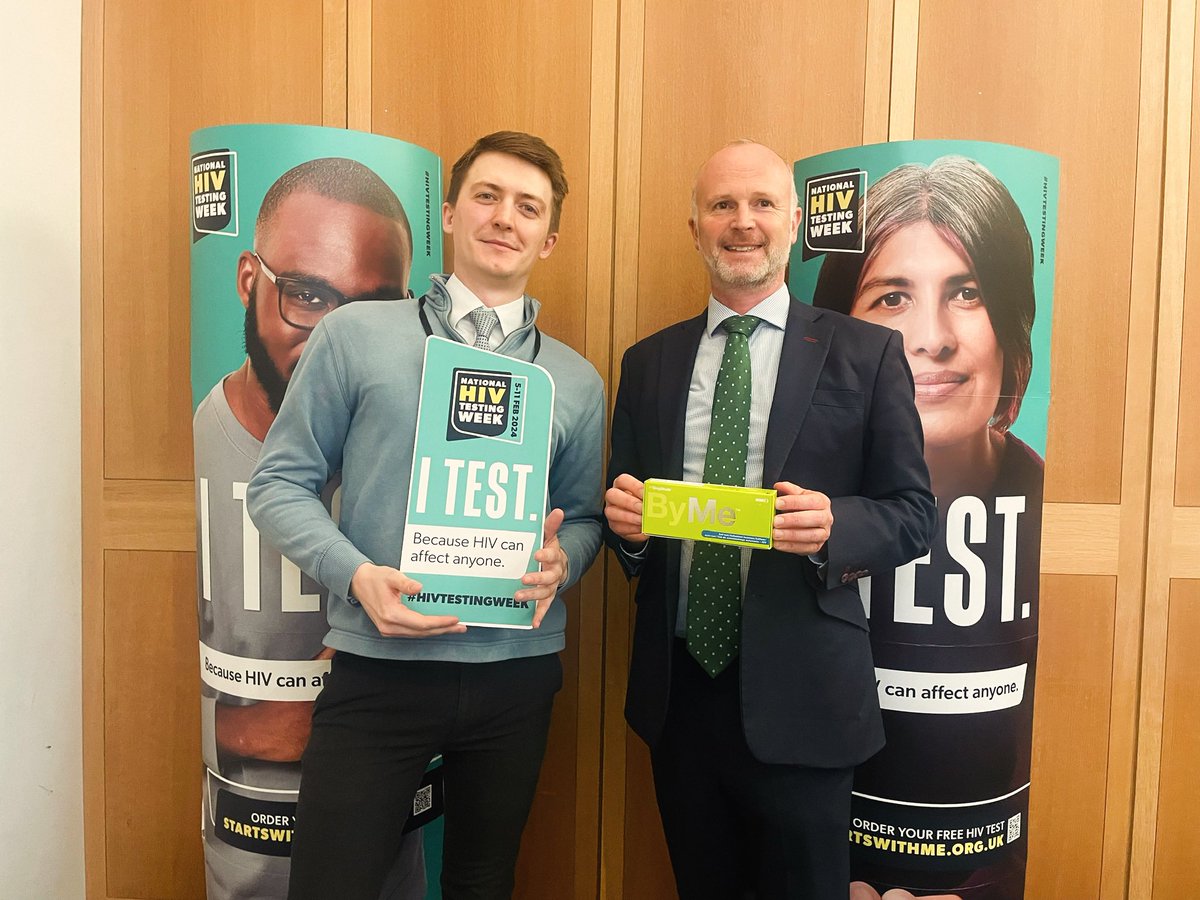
(352, 405)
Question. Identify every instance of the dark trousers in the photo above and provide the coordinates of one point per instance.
(735, 827)
(376, 725)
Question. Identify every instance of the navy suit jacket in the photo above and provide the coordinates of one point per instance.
(843, 422)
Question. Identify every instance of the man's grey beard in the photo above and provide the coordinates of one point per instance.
(774, 261)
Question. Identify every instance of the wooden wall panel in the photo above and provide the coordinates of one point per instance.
(1178, 790)
(152, 726)
(618, 611)
(1176, 876)
(91, 333)
(444, 74)
(789, 75)
(1187, 460)
(1157, 865)
(169, 69)
(1059, 78)
(1067, 782)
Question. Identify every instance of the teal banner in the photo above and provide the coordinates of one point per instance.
(951, 243)
(481, 456)
(288, 223)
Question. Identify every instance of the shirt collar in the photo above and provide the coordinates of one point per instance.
(463, 301)
(773, 309)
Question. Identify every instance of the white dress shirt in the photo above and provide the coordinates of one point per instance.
(463, 302)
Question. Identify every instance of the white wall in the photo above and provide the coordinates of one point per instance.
(41, 802)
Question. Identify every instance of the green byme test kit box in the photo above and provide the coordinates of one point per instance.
(719, 513)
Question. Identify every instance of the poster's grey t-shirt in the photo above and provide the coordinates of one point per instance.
(261, 624)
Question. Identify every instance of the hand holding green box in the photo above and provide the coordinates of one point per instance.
(719, 513)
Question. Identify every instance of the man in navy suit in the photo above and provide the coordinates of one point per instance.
(753, 750)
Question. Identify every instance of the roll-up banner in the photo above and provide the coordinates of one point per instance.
(952, 244)
(288, 223)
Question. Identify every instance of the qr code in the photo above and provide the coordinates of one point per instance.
(423, 801)
(1014, 828)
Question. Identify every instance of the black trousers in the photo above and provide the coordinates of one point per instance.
(736, 827)
(376, 725)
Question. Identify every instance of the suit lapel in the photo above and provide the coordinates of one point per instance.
(805, 346)
(675, 364)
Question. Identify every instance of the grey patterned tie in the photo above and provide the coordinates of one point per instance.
(714, 604)
(484, 320)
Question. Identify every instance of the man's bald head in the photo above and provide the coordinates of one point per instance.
(744, 222)
(748, 144)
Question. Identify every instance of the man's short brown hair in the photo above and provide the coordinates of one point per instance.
(524, 146)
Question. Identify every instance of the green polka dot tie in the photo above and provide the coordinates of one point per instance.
(714, 603)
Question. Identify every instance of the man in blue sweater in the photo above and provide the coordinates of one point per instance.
(405, 686)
